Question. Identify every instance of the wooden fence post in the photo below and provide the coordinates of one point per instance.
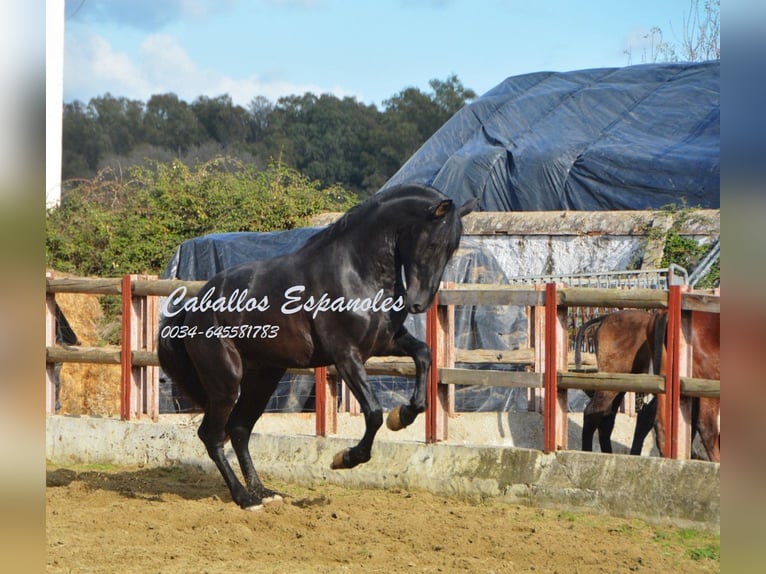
(440, 399)
(683, 415)
(556, 345)
(50, 341)
(326, 402)
(536, 324)
(676, 410)
(139, 385)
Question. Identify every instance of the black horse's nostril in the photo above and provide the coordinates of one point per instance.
(417, 308)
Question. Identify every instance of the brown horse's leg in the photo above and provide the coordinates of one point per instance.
(600, 415)
(255, 391)
(606, 426)
(408, 346)
(351, 370)
(644, 421)
(707, 426)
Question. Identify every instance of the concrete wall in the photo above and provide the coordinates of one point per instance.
(681, 493)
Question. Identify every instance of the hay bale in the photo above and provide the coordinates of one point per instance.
(85, 388)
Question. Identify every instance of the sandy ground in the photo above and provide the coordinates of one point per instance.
(181, 519)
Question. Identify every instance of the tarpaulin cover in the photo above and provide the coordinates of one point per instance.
(638, 137)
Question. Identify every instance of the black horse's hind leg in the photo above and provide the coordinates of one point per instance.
(213, 436)
(404, 415)
(352, 371)
(255, 391)
(220, 371)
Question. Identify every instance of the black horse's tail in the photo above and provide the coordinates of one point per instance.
(175, 361)
(579, 337)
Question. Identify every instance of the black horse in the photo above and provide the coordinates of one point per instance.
(338, 300)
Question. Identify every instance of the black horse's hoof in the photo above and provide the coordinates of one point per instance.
(394, 419)
(340, 460)
(266, 495)
(401, 417)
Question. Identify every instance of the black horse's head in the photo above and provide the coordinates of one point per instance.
(429, 235)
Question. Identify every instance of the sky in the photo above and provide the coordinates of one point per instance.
(367, 49)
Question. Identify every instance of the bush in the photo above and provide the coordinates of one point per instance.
(113, 225)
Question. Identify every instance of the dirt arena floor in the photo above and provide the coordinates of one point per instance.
(181, 519)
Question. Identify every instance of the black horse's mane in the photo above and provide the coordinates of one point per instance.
(360, 212)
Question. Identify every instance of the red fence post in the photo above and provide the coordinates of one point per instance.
(432, 384)
(139, 386)
(676, 360)
(126, 344)
(326, 402)
(440, 399)
(555, 400)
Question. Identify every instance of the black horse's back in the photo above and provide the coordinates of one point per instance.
(175, 361)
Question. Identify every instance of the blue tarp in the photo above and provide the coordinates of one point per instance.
(638, 137)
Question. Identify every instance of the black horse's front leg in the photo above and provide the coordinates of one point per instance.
(351, 370)
(404, 415)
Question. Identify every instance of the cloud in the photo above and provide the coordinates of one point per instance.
(146, 15)
(90, 63)
(163, 66)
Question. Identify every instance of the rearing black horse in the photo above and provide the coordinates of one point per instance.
(338, 300)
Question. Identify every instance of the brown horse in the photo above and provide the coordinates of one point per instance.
(621, 347)
(706, 364)
(625, 343)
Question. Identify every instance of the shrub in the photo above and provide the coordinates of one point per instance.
(114, 224)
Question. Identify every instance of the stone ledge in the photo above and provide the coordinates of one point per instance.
(660, 491)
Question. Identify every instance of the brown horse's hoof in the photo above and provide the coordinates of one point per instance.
(394, 420)
(337, 460)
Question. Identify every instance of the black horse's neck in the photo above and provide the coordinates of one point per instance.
(381, 216)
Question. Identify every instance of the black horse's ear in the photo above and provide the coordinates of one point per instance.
(468, 206)
(441, 209)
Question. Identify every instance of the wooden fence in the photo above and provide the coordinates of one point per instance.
(547, 377)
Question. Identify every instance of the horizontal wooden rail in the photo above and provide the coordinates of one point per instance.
(490, 378)
(620, 382)
(164, 287)
(83, 285)
(139, 287)
(463, 294)
(482, 294)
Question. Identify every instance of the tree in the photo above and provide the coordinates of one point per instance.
(171, 123)
(222, 120)
(700, 37)
(259, 111)
(120, 119)
(412, 116)
(83, 140)
(701, 34)
(324, 137)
